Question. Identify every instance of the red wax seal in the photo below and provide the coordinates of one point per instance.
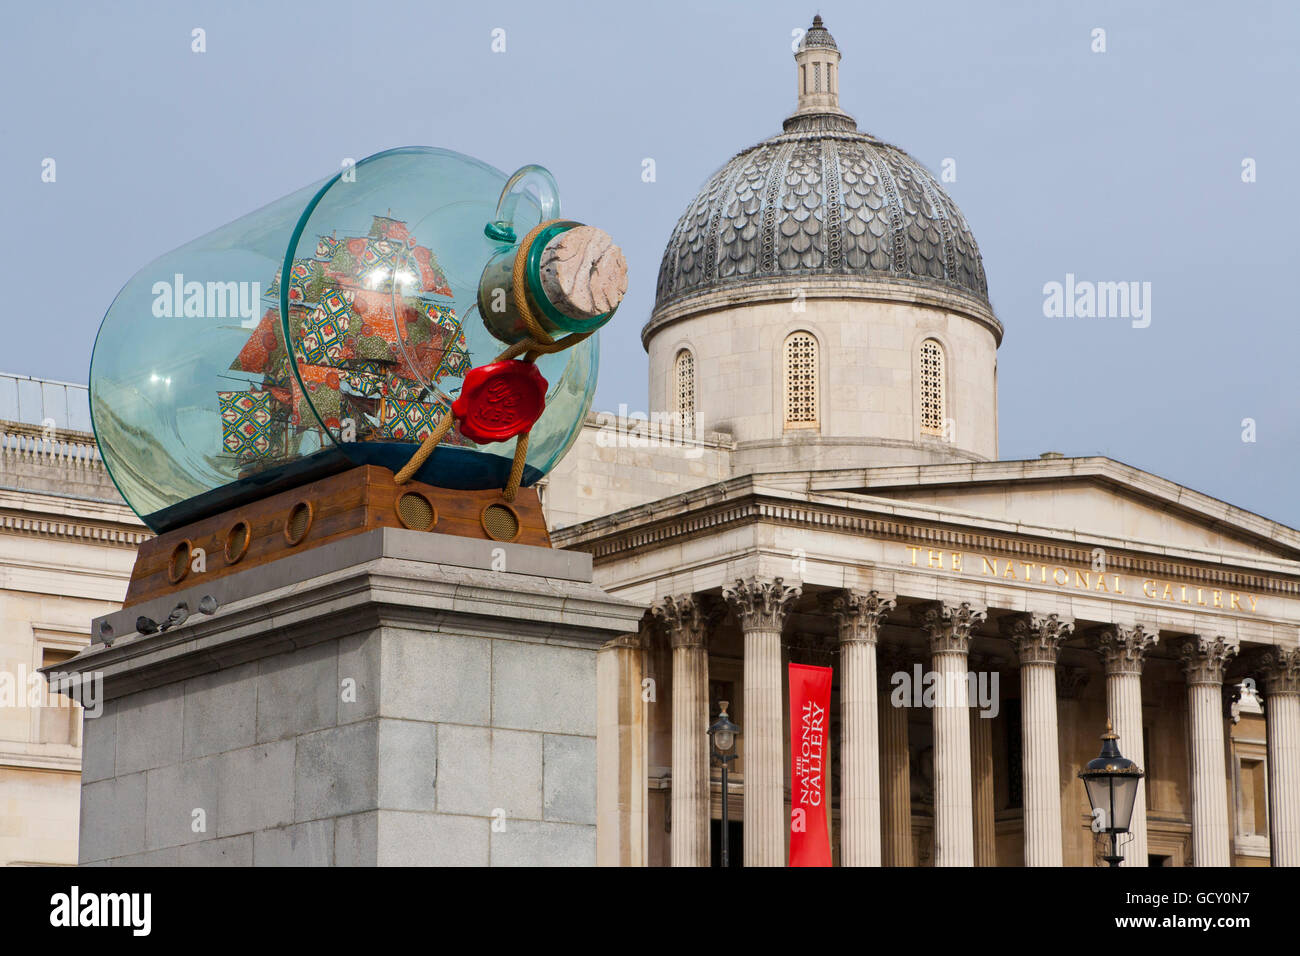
(500, 400)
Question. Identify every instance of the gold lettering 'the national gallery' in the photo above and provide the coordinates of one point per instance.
(1106, 582)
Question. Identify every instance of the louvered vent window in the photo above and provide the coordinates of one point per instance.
(800, 381)
(932, 404)
(685, 396)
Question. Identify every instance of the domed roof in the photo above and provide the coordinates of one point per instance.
(821, 198)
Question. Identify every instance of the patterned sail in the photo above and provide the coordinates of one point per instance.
(371, 343)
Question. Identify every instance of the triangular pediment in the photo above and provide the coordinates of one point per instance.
(1092, 497)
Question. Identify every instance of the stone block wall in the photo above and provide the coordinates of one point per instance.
(413, 713)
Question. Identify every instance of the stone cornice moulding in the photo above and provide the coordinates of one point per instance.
(734, 489)
(37, 501)
(73, 530)
(32, 761)
(378, 593)
(785, 288)
(1216, 514)
(934, 446)
(740, 501)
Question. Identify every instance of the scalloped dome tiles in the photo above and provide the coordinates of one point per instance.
(820, 199)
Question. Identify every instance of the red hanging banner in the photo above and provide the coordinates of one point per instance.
(810, 701)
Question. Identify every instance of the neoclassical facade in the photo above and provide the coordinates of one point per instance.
(67, 544)
(818, 482)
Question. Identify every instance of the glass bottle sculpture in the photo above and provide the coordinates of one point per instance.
(334, 328)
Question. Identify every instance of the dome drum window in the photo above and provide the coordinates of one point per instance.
(684, 391)
(800, 361)
(932, 397)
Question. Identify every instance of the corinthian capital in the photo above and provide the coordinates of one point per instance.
(1204, 659)
(859, 614)
(1038, 637)
(1123, 648)
(686, 618)
(950, 624)
(761, 605)
(1279, 670)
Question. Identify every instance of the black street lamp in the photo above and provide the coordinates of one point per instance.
(1112, 784)
(722, 734)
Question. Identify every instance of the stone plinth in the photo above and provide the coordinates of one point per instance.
(398, 698)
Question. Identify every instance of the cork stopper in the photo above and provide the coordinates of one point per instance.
(583, 273)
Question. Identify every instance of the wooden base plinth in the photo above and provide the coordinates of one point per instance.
(355, 501)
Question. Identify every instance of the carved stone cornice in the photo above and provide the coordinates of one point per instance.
(686, 619)
(1037, 638)
(1204, 659)
(74, 529)
(1123, 649)
(859, 613)
(736, 502)
(1278, 669)
(761, 605)
(1070, 681)
(949, 625)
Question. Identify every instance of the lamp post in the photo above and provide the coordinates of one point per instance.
(1111, 781)
(722, 734)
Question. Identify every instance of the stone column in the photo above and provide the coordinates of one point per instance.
(761, 607)
(895, 767)
(858, 615)
(1280, 670)
(1037, 639)
(1123, 650)
(949, 627)
(1203, 662)
(686, 624)
(622, 820)
(981, 758)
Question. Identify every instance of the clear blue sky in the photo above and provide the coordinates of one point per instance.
(1117, 166)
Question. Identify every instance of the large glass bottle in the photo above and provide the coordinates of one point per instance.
(329, 329)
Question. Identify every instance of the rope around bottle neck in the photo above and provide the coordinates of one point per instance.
(538, 342)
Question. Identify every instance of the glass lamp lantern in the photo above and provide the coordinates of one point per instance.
(723, 731)
(330, 329)
(1111, 781)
